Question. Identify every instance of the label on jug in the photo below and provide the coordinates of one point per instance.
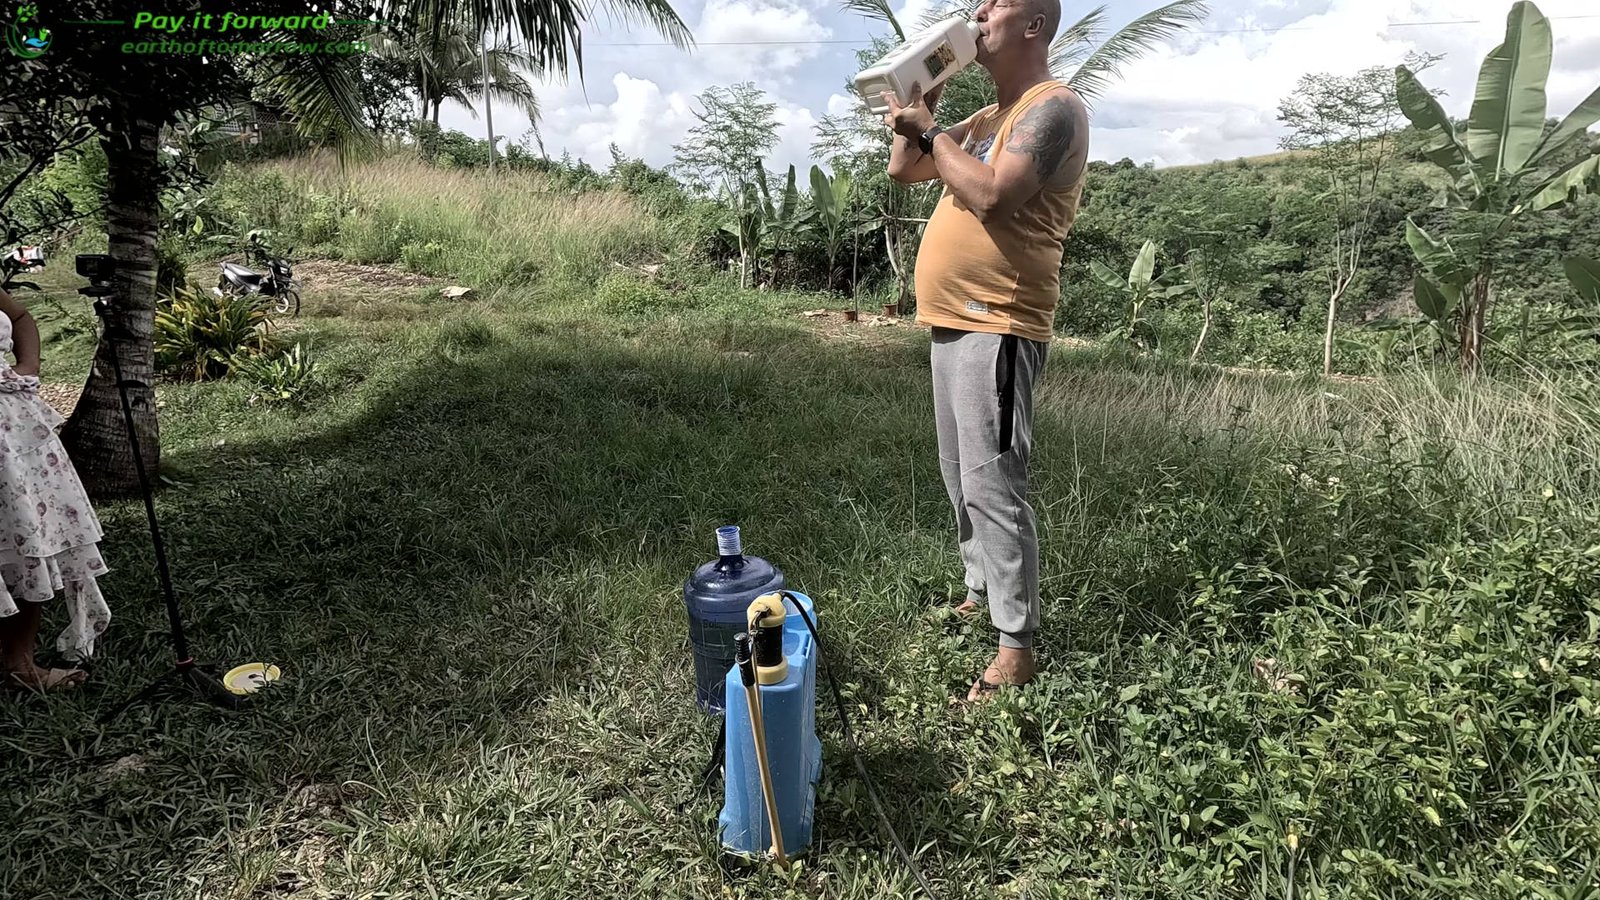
(941, 57)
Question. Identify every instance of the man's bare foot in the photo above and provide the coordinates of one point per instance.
(35, 678)
(1010, 666)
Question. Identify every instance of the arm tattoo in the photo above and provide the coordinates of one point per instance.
(1046, 132)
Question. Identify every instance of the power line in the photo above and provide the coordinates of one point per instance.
(868, 42)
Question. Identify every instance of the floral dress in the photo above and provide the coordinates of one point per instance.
(49, 533)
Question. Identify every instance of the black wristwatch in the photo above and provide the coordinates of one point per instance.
(925, 142)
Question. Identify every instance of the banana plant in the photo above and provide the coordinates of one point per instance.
(1502, 166)
(1140, 287)
(744, 223)
(830, 218)
(780, 221)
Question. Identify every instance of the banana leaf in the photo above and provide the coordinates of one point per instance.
(1506, 124)
(1443, 145)
(1107, 277)
(1574, 125)
(1567, 185)
(1435, 301)
(1584, 274)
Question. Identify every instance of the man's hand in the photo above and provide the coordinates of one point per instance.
(916, 117)
(1044, 141)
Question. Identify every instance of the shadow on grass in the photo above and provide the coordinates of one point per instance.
(500, 532)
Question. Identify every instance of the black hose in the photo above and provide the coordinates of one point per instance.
(855, 750)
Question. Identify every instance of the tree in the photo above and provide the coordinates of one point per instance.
(1214, 232)
(1346, 123)
(130, 97)
(36, 129)
(737, 129)
(831, 217)
(1501, 167)
(449, 65)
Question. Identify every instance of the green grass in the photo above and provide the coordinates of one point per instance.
(467, 555)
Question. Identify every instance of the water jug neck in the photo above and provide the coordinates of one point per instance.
(730, 553)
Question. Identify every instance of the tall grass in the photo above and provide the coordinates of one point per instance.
(515, 228)
(1509, 438)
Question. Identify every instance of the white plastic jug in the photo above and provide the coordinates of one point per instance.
(928, 58)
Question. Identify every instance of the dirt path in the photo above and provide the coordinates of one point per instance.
(877, 330)
(63, 397)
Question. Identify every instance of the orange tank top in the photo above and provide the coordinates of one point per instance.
(1002, 277)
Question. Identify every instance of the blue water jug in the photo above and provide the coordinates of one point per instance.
(794, 753)
(716, 597)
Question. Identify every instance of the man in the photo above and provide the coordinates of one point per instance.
(987, 281)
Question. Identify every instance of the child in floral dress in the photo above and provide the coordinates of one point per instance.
(49, 533)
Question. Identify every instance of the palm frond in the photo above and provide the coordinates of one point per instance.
(874, 9)
(1075, 42)
(322, 92)
(505, 83)
(1132, 41)
(936, 14)
(551, 30)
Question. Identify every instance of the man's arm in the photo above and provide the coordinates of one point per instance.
(909, 165)
(1048, 134)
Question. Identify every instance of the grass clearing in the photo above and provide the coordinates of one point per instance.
(1283, 642)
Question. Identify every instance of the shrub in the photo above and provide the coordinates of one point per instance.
(199, 335)
(289, 378)
(628, 294)
(427, 258)
(376, 235)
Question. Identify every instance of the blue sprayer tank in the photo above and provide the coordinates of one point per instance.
(717, 596)
(794, 754)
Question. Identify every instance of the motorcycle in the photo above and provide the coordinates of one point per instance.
(19, 261)
(278, 281)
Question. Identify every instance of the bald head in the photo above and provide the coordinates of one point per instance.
(1051, 10)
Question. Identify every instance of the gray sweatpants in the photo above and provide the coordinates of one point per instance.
(977, 379)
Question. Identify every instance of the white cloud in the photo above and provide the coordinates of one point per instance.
(840, 105)
(1217, 95)
(760, 23)
(1206, 96)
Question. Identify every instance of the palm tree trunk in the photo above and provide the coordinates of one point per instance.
(96, 435)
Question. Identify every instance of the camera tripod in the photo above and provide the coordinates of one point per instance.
(184, 667)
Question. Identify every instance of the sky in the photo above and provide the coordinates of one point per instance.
(1210, 94)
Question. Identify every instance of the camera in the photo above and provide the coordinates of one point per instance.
(99, 268)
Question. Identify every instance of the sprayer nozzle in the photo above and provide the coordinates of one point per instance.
(742, 658)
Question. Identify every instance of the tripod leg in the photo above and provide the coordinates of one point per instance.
(181, 644)
(209, 687)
